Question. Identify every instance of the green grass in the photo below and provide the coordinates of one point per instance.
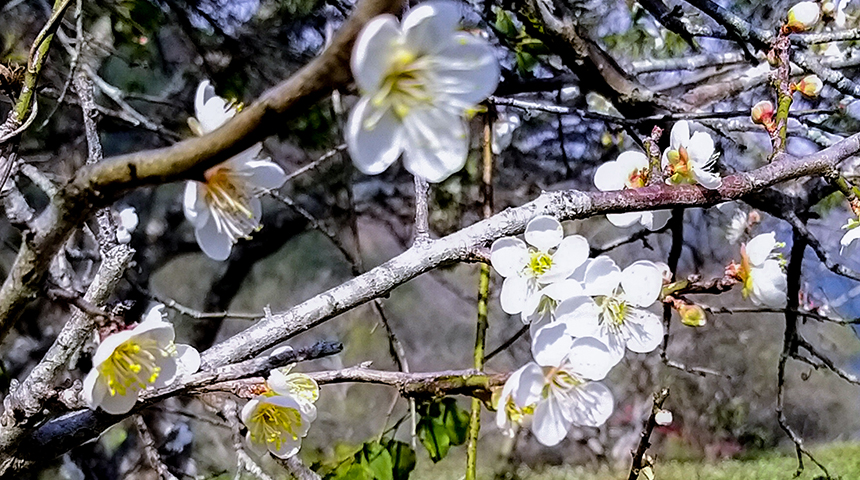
(841, 459)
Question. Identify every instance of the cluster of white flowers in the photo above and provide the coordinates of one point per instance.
(225, 206)
(130, 361)
(689, 159)
(280, 417)
(584, 313)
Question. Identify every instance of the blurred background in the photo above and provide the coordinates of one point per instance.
(336, 222)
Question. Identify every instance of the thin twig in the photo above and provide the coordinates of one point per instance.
(422, 214)
(150, 449)
(645, 440)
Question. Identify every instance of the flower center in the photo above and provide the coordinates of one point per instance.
(133, 365)
(271, 423)
(229, 198)
(744, 273)
(678, 169)
(559, 380)
(613, 311)
(539, 263)
(637, 178)
(403, 87)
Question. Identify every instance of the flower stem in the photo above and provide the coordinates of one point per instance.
(483, 295)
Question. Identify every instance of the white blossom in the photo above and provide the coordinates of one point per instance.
(561, 388)
(225, 207)
(629, 170)
(663, 418)
(850, 236)
(418, 78)
(277, 423)
(803, 15)
(127, 223)
(278, 419)
(130, 361)
(503, 131)
(614, 310)
(690, 159)
(547, 256)
(764, 282)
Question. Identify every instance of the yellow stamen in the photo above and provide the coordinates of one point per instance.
(271, 423)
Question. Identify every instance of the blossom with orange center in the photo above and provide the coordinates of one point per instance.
(760, 271)
(629, 170)
(690, 159)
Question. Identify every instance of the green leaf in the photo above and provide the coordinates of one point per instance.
(376, 461)
(456, 421)
(505, 24)
(386, 460)
(443, 424)
(402, 458)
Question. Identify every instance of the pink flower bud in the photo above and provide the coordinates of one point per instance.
(810, 86)
(762, 112)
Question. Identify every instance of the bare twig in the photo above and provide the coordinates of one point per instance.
(297, 469)
(150, 449)
(645, 441)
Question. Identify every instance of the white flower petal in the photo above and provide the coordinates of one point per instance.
(264, 174)
(288, 448)
(656, 219)
(509, 255)
(194, 203)
(551, 344)
(248, 410)
(580, 315)
(607, 177)
(700, 149)
(571, 253)
(759, 248)
(109, 344)
(374, 144)
(550, 425)
(590, 359)
(847, 239)
(680, 136)
(119, 404)
(630, 161)
(595, 405)
(616, 343)
(211, 110)
(436, 143)
(374, 48)
(709, 180)
(167, 372)
(216, 245)
(515, 291)
(769, 285)
(94, 390)
(644, 331)
(602, 276)
(187, 360)
(624, 220)
(466, 71)
(544, 232)
(562, 290)
(429, 26)
(642, 283)
(527, 390)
